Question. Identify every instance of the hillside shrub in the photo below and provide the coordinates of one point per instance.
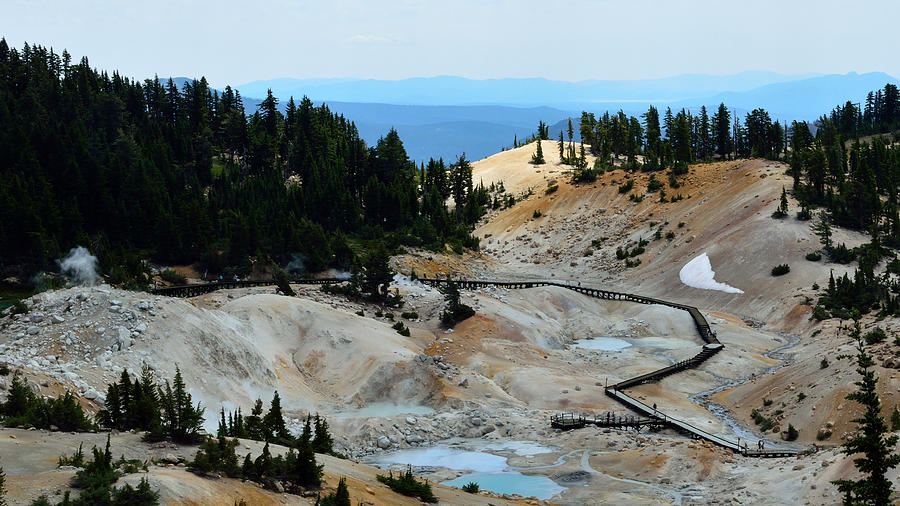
(876, 335)
(406, 484)
(792, 433)
(170, 276)
(781, 270)
(654, 185)
(537, 214)
(25, 409)
(626, 187)
(551, 189)
(340, 497)
(813, 257)
(410, 315)
(471, 487)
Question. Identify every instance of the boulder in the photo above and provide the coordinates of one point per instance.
(411, 420)
(383, 442)
(57, 319)
(32, 330)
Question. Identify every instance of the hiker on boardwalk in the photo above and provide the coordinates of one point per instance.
(654, 408)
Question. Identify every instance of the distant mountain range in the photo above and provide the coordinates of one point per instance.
(445, 116)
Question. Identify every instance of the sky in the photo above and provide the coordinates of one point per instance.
(235, 42)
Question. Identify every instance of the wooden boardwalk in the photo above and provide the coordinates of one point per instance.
(653, 417)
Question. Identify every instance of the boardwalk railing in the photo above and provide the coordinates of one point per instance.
(711, 347)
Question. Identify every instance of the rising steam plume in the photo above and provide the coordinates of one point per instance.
(80, 266)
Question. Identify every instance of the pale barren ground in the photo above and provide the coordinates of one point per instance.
(511, 365)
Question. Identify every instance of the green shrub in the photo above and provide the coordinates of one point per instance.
(471, 487)
(76, 460)
(170, 276)
(801, 396)
(670, 235)
(823, 364)
(653, 185)
(635, 198)
(813, 257)
(781, 270)
(820, 313)
(536, 214)
(551, 189)
(792, 433)
(767, 402)
(410, 315)
(876, 335)
(681, 224)
(409, 486)
(4, 370)
(626, 187)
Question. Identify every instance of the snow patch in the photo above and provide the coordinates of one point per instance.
(698, 273)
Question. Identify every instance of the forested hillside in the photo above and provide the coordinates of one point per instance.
(144, 170)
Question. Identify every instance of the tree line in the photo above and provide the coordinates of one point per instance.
(145, 170)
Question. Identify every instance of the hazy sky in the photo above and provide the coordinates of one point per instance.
(234, 42)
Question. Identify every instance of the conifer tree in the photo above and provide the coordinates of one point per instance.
(274, 423)
(254, 423)
(322, 441)
(871, 439)
(538, 157)
(307, 473)
(562, 147)
(378, 273)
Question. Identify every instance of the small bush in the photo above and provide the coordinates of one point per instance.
(551, 189)
(801, 396)
(792, 433)
(360, 313)
(471, 487)
(820, 313)
(409, 486)
(626, 187)
(670, 235)
(653, 185)
(170, 276)
(635, 198)
(781, 270)
(681, 224)
(410, 315)
(876, 335)
(767, 402)
(4, 370)
(823, 364)
(389, 316)
(813, 257)
(537, 214)
(76, 460)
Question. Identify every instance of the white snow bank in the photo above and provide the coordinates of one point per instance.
(698, 273)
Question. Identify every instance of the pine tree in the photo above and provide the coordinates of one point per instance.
(307, 473)
(782, 210)
(378, 273)
(871, 439)
(538, 157)
(562, 148)
(254, 423)
(274, 423)
(823, 230)
(322, 441)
